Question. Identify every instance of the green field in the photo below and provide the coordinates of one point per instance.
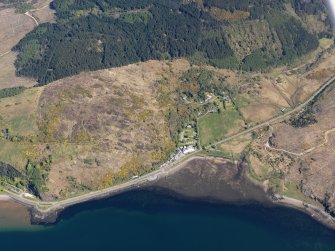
(14, 153)
(215, 126)
(23, 125)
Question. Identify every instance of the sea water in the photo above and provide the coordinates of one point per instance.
(149, 221)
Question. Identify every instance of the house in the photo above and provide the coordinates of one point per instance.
(227, 99)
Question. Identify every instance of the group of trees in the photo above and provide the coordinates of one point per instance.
(309, 115)
(305, 118)
(91, 35)
(195, 83)
(9, 171)
(10, 92)
(309, 7)
(94, 42)
(295, 41)
(21, 6)
(33, 178)
(37, 174)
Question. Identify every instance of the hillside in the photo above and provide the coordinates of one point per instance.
(249, 35)
(112, 114)
(98, 129)
(14, 25)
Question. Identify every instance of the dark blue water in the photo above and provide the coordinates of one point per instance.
(148, 221)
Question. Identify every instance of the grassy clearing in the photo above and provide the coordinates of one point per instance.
(242, 101)
(62, 152)
(139, 17)
(235, 148)
(258, 170)
(215, 126)
(23, 125)
(222, 153)
(261, 173)
(18, 113)
(291, 189)
(14, 154)
(18, 117)
(325, 43)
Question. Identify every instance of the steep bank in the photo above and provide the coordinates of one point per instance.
(209, 179)
(315, 212)
(218, 180)
(206, 179)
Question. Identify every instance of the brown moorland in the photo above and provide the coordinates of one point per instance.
(299, 161)
(13, 27)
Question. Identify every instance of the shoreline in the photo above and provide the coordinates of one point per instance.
(41, 210)
(5, 197)
(51, 215)
(314, 212)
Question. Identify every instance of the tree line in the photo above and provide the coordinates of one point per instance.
(90, 35)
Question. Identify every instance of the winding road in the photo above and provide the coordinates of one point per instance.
(28, 14)
(32, 17)
(278, 118)
(46, 207)
(164, 170)
(326, 139)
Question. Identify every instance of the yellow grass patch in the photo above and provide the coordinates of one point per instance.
(225, 15)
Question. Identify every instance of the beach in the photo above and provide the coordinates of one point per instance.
(313, 211)
(13, 215)
(4, 197)
(205, 179)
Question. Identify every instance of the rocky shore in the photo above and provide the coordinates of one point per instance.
(207, 179)
(313, 211)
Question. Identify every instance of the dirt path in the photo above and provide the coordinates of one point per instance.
(4, 54)
(164, 170)
(43, 7)
(326, 140)
(32, 17)
(278, 118)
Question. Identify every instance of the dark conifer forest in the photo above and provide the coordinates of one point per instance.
(97, 34)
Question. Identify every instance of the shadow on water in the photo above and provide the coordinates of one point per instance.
(175, 214)
(155, 202)
(147, 220)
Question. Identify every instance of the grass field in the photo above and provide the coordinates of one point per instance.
(215, 126)
(325, 43)
(234, 148)
(19, 112)
(292, 190)
(14, 153)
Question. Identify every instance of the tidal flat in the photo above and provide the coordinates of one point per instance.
(206, 204)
